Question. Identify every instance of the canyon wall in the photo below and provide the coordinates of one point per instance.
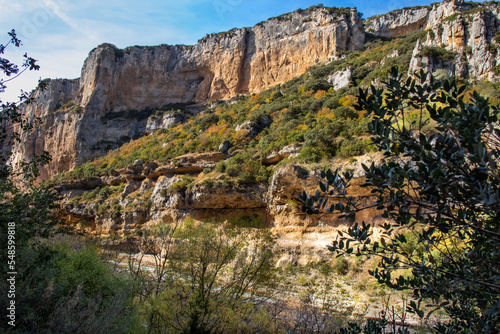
(462, 37)
(142, 195)
(119, 89)
(462, 40)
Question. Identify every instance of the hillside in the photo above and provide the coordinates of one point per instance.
(179, 179)
(119, 90)
(238, 124)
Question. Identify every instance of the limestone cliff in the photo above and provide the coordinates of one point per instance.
(144, 194)
(464, 30)
(462, 40)
(118, 89)
(398, 22)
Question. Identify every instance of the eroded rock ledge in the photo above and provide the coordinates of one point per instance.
(145, 193)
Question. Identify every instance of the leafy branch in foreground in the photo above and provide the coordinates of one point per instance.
(22, 202)
(439, 191)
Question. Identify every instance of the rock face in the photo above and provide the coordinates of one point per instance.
(119, 89)
(460, 40)
(164, 121)
(150, 194)
(398, 22)
(340, 79)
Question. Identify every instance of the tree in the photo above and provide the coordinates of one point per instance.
(24, 206)
(439, 189)
(47, 287)
(205, 279)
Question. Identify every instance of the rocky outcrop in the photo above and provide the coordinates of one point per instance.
(398, 22)
(461, 40)
(410, 19)
(462, 35)
(163, 121)
(285, 152)
(340, 79)
(145, 197)
(120, 89)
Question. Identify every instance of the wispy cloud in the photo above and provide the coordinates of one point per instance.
(71, 22)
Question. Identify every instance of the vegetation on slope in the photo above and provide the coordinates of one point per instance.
(59, 288)
(305, 112)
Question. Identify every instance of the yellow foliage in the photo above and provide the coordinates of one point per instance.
(302, 127)
(326, 112)
(348, 100)
(112, 161)
(182, 135)
(277, 115)
(319, 94)
(240, 135)
(257, 106)
(177, 128)
(448, 248)
(216, 129)
(255, 98)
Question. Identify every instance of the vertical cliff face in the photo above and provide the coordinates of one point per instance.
(462, 32)
(109, 104)
(462, 39)
(398, 22)
(220, 65)
(120, 88)
(60, 128)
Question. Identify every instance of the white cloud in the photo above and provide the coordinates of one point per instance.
(71, 22)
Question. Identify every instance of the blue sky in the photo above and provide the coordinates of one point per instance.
(60, 33)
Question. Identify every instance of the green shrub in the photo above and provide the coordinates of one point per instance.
(233, 170)
(437, 53)
(354, 147)
(325, 269)
(492, 48)
(220, 167)
(89, 196)
(185, 183)
(102, 209)
(104, 192)
(496, 37)
(345, 112)
(253, 221)
(65, 290)
(67, 105)
(117, 211)
(311, 154)
(246, 169)
(341, 266)
(316, 84)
